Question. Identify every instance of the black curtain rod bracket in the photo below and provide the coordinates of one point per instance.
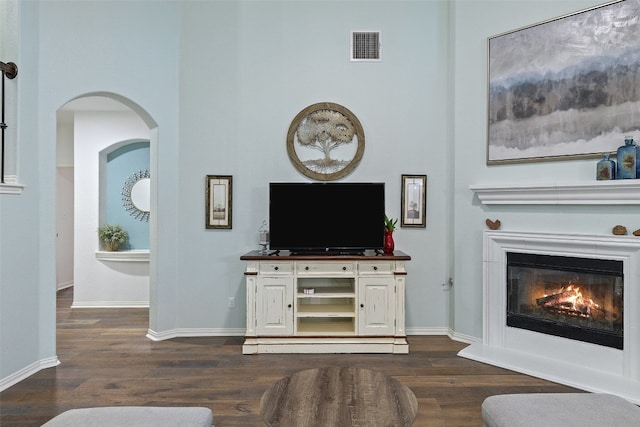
(9, 69)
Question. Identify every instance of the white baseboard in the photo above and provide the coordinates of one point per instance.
(199, 332)
(428, 331)
(456, 336)
(443, 331)
(239, 332)
(64, 285)
(27, 371)
(110, 304)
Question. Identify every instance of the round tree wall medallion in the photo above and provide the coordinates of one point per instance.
(325, 141)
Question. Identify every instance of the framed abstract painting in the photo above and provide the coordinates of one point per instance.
(566, 88)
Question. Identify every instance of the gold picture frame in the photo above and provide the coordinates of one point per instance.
(218, 201)
(331, 130)
(413, 201)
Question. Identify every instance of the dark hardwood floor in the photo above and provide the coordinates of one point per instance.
(106, 360)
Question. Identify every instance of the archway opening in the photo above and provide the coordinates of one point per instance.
(85, 126)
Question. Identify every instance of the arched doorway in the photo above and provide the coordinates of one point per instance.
(108, 116)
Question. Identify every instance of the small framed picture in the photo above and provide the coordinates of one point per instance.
(218, 201)
(414, 201)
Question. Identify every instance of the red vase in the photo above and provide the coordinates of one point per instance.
(389, 245)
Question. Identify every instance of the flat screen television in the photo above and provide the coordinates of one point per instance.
(326, 217)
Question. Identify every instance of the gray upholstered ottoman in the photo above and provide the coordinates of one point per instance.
(138, 416)
(559, 410)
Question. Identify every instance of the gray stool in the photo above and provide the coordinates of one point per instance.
(130, 416)
(559, 410)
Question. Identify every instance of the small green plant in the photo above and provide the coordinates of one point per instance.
(390, 224)
(112, 236)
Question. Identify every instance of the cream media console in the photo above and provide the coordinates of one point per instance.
(325, 303)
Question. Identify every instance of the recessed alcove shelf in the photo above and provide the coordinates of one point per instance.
(138, 255)
(617, 192)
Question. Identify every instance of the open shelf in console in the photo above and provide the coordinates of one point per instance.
(326, 287)
(329, 326)
(325, 306)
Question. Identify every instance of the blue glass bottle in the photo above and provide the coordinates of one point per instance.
(606, 169)
(628, 157)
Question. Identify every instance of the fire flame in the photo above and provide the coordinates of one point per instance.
(577, 299)
(569, 300)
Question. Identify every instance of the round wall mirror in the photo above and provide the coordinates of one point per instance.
(136, 195)
(140, 194)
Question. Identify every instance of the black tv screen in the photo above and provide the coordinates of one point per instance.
(326, 217)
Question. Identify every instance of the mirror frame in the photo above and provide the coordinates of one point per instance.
(127, 203)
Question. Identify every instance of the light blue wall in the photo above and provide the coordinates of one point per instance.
(117, 47)
(223, 80)
(27, 267)
(122, 163)
(258, 65)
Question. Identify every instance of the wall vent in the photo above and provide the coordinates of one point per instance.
(365, 46)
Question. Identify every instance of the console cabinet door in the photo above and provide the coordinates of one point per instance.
(376, 306)
(274, 306)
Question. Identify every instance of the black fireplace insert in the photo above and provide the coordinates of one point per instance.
(570, 297)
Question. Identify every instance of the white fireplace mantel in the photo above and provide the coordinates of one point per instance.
(617, 192)
(578, 364)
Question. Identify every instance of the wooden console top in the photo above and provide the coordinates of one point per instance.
(288, 256)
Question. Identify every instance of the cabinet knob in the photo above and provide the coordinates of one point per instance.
(307, 268)
(361, 305)
(275, 268)
(344, 268)
(375, 268)
(289, 305)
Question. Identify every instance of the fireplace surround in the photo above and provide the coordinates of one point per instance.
(608, 267)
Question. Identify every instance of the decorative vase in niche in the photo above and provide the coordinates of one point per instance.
(628, 157)
(111, 246)
(606, 169)
(389, 244)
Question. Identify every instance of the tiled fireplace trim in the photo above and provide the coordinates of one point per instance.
(582, 365)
